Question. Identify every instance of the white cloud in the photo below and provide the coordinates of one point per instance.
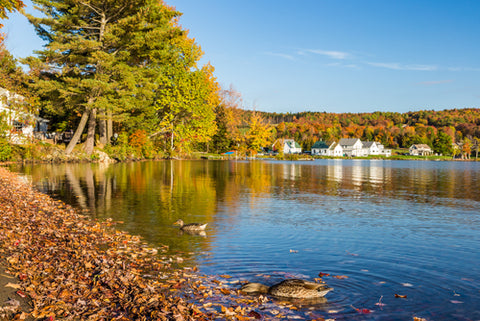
(281, 55)
(398, 66)
(338, 64)
(331, 54)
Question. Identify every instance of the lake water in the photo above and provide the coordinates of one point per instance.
(410, 228)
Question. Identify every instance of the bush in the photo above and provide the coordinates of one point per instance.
(5, 150)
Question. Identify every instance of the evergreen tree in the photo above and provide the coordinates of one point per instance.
(119, 60)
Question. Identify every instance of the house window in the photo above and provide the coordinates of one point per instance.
(17, 125)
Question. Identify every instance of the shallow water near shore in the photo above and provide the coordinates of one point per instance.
(379, 228)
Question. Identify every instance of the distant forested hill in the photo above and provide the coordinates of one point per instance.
(390, 128)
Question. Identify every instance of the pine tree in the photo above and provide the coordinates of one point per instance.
(117, 58)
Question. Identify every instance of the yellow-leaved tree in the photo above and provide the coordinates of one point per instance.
(259, 135)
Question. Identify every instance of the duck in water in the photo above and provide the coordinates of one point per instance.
(291, 288)
(191, 227)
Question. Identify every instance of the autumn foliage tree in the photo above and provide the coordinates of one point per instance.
(229, 119)
(7, 6)
(259, 135)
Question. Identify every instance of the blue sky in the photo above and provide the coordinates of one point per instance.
(330, 55)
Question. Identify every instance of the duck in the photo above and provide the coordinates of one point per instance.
(191, 227)
(290, 288)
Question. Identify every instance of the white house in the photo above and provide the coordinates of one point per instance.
(420, 150)
(23, 125)
(291, 147)
(335, 150)
(370, 148)
(351, 146)
(383, 151)
(322, 148)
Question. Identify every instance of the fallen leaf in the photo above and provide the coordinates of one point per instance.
(363, 310)
(225, 276)
(400, 296)
(254, 314)
(225, 291)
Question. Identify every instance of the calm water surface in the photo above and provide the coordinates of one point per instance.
(392, 227)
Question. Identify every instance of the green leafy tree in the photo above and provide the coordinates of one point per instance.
(442, 144)
(228, 120)
(185, 104)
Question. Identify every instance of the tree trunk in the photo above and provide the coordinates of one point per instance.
(78, 132)
(102, 128)
(92, 122)
(109, 126)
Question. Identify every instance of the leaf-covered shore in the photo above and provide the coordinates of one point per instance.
(75, 268)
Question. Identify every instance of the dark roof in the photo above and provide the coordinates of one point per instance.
(367, 144)
(320, 144)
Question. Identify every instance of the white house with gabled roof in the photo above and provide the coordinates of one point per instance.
(351, 147)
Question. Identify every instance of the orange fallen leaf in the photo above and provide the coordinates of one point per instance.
(225, 276)
(400, 296)
(225, 291)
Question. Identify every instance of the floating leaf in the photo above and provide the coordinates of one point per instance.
(225, 291)
(255, 315)
(400, 296)
(225, 276)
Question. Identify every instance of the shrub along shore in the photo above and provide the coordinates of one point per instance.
(58, 264)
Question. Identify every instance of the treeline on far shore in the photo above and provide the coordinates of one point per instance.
(452, 134)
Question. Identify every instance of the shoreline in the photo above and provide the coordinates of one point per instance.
(59, 264)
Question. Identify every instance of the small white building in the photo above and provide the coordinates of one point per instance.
(383, 151)
(352, 147)
(420, 150)
(322, 148)
(289, 146)
(370, 148)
